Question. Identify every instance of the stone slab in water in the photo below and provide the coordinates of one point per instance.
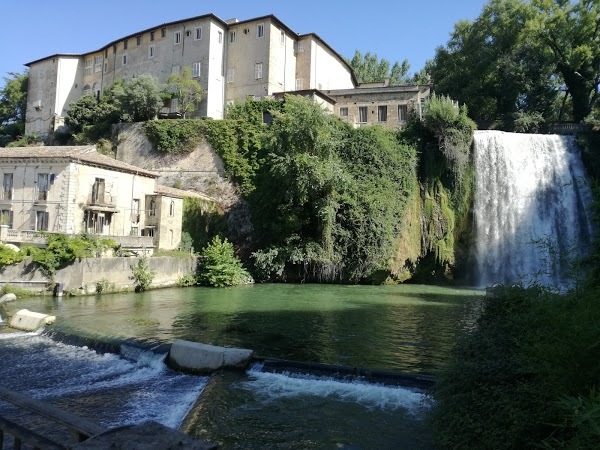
(204, 358)
(30, 321)
(10, 297)
(147, 436)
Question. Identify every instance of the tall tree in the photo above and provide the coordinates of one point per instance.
(186, 90)
(370, 69)
(13, 105)
(570, 32)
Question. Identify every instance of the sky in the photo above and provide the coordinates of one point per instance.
(393, 29)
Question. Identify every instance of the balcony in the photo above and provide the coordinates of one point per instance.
(6, 194)
(32, 237)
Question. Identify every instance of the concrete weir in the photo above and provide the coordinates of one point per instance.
(195, 357)
(30, 321)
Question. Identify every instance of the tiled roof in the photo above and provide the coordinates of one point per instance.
(180, 193)
(83, 154)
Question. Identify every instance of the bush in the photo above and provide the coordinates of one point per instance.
(8, 256)
(142, 275)
(220, 267)
(188, 280)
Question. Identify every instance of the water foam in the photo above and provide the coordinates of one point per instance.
(271, 386)
(528, 188)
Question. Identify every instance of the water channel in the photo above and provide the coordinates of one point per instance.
(406, 328)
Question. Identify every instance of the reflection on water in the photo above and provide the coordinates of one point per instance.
(407, 327)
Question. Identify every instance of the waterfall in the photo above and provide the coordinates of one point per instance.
(531, 208)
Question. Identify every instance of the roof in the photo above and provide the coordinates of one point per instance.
(180, 193)
(83, 154)
(222, 22)
(304, 92)
(379, 89)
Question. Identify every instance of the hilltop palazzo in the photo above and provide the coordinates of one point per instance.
(232, 60)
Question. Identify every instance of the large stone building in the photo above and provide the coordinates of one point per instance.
(73, 190)
(231, 59)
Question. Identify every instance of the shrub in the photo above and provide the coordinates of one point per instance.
(142, 275)
(8, 256)
(104, 286)
(188, 280)
(221, 267)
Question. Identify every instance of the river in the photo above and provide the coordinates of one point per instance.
(407, 328)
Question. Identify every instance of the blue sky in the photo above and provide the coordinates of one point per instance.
(393, 29)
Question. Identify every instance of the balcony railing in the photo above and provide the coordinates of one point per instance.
(6, 194)
(35, 237)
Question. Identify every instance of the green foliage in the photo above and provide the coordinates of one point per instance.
(520, 55)
(142, 275)
(202, 220)
(8, 256)
(185, 89)
(62, 249)
(369, 69)
(104, 285)
(13, 106)
(136, 100)
(188, 280)
(525, 376)
(186, 244)
(29, 140)
(19, 292)
(174, 136)
(527, 122)
(220, 266)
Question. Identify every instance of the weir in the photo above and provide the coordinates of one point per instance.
(531, 210)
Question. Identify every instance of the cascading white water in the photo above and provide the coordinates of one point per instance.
(528, 188)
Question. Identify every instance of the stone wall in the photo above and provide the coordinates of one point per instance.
(82, 276)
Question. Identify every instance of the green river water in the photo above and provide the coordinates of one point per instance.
(407, 328)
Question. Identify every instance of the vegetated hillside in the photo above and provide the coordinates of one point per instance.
(330, 203)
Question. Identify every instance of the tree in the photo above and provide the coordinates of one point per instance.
(369, 69)
(220, 267)
(141, 99)
(186, 90)
(13, 105)
(570, 32)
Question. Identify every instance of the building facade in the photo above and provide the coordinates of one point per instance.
(73, 190)
(231, 60)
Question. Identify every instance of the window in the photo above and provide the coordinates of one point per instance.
(220, 34)
(282, 37)
(124, 59)
(106, 53)
(382, 113)
(175, 70)
(87, 89)
(7, 186)
(174, 105)
(98, 191)
(152, 35)
(298, 84)
(344, 112)
(402, 113)
(231, 37)
(172, 209)
(88, 67)
(188, 33)
(362, 114)
(6, 218)
(258, 71)
(105, 67)
(42, 186)
(152, 207)
(177, 38)
(230, 75)
(125, 42)
(300, 47)
(138, 40)
(196, 70)
(198, 34)
(135, 210)
(260, 30)
(97, 63)
(163, 32)
(114, 49)
(96, 90)
(151, 51)
(41, 221)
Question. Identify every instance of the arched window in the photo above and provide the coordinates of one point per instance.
(87, 89)
(172, 209)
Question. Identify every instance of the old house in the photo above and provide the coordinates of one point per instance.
(75, 190)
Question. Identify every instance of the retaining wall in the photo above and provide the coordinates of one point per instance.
(83, 275)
